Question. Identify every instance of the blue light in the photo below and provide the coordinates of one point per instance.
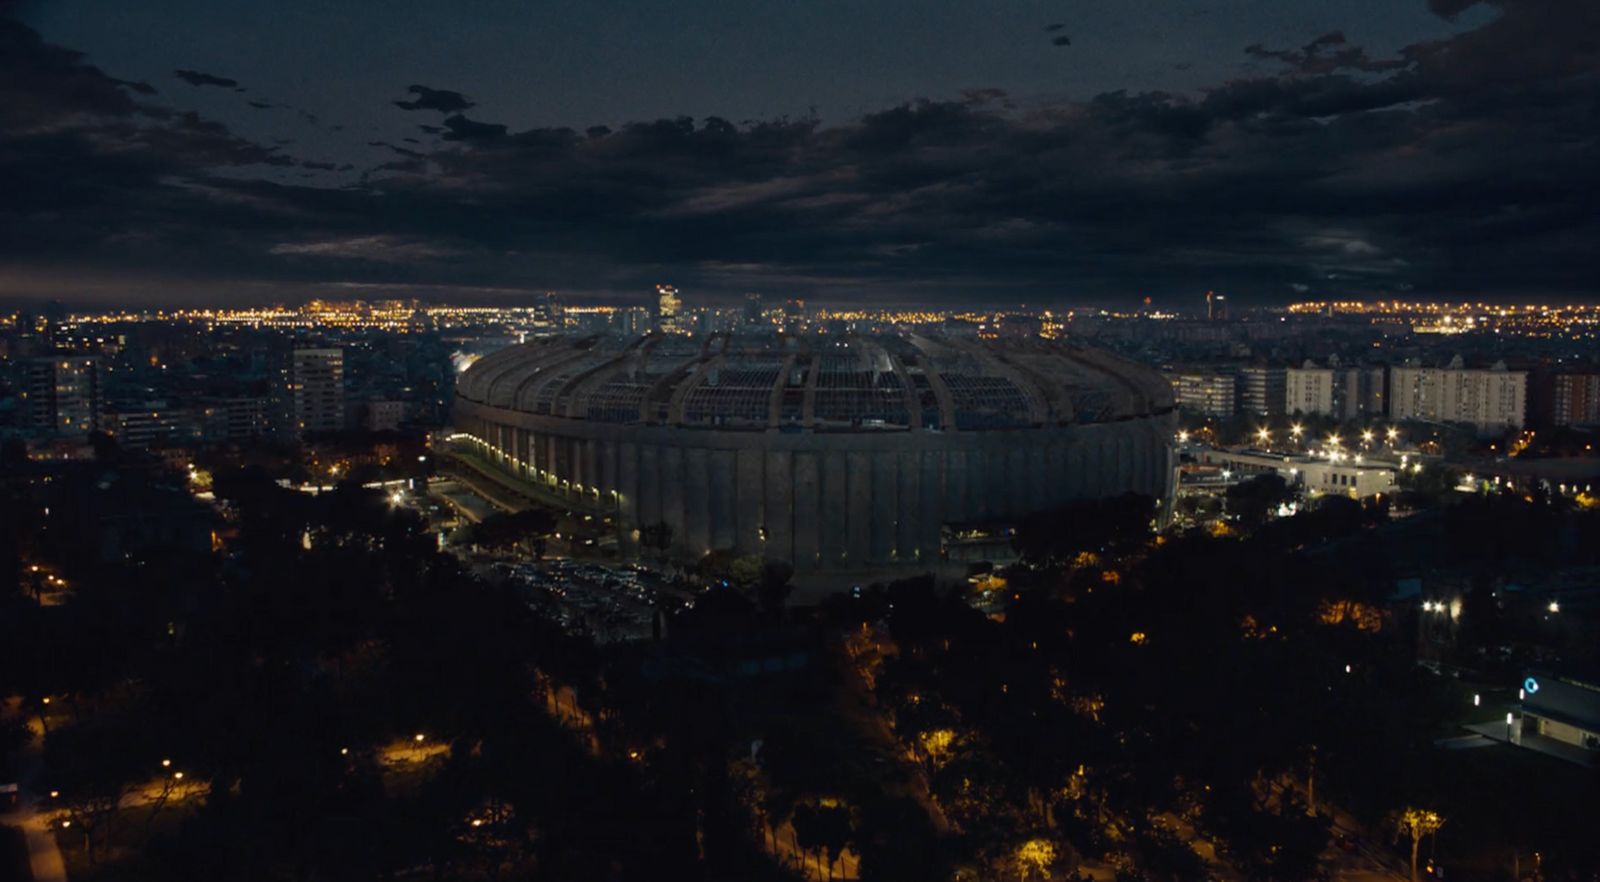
(1531, 685)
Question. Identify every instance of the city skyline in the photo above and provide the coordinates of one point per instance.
(1023, 154)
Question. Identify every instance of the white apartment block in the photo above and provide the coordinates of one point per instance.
(1493, 400)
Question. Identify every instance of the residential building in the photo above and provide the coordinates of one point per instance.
(1309, 390)
(1576, 400)
(1205, 394)
(61, 395)
(234, 418)
(1359, 393)
(152, 423)
(1262, 390)
(313, 392)
(384, 416)
(1345, 393)
(1493, 399)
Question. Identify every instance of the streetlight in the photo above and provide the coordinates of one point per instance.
(1265, 435)
(1391, 435)
(418, 737)
(1555, 606)
(1366, 436)
(1183, 437)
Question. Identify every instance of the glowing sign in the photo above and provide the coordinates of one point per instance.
(1531, 685)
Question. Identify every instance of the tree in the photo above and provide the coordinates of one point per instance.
(1417, 823)
(1253, 501)
(1034, 859)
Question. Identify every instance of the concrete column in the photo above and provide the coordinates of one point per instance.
(627, 488)
(650, 511)
(908, 486)
(778, 513)
(885, 507)
(834, 502)
(807, 492)
(1015, 478)
(723, 502)
(932, 513)
(688, 500)
(750, 490)
(980, 489)
(955, 485)
(858, 536)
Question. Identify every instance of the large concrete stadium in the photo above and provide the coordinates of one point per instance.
(833, 453)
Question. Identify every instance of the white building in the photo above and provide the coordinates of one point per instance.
(1346, 476)
(1493, 400)
(1346, 393)
(1309, 390)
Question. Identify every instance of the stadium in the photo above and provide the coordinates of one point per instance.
(834, 453)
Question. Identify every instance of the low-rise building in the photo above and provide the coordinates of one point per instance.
(153, 423)
(1314, 475)
(1562, 710)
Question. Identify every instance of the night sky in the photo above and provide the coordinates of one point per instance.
(879, 152)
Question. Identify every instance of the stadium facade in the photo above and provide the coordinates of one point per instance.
(833, 453)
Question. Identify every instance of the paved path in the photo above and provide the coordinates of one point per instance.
(32, 815)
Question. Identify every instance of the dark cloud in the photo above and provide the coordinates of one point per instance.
(1458, 166)
(442, 100)
(141, 88)
(260, 105)
(1052, 28)
(199, 78)
(1326, 54)
(462, 129)
(396, 148)
(1062, 40)
(1451, 8)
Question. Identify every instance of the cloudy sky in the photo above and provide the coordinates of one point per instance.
(1048, 152)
